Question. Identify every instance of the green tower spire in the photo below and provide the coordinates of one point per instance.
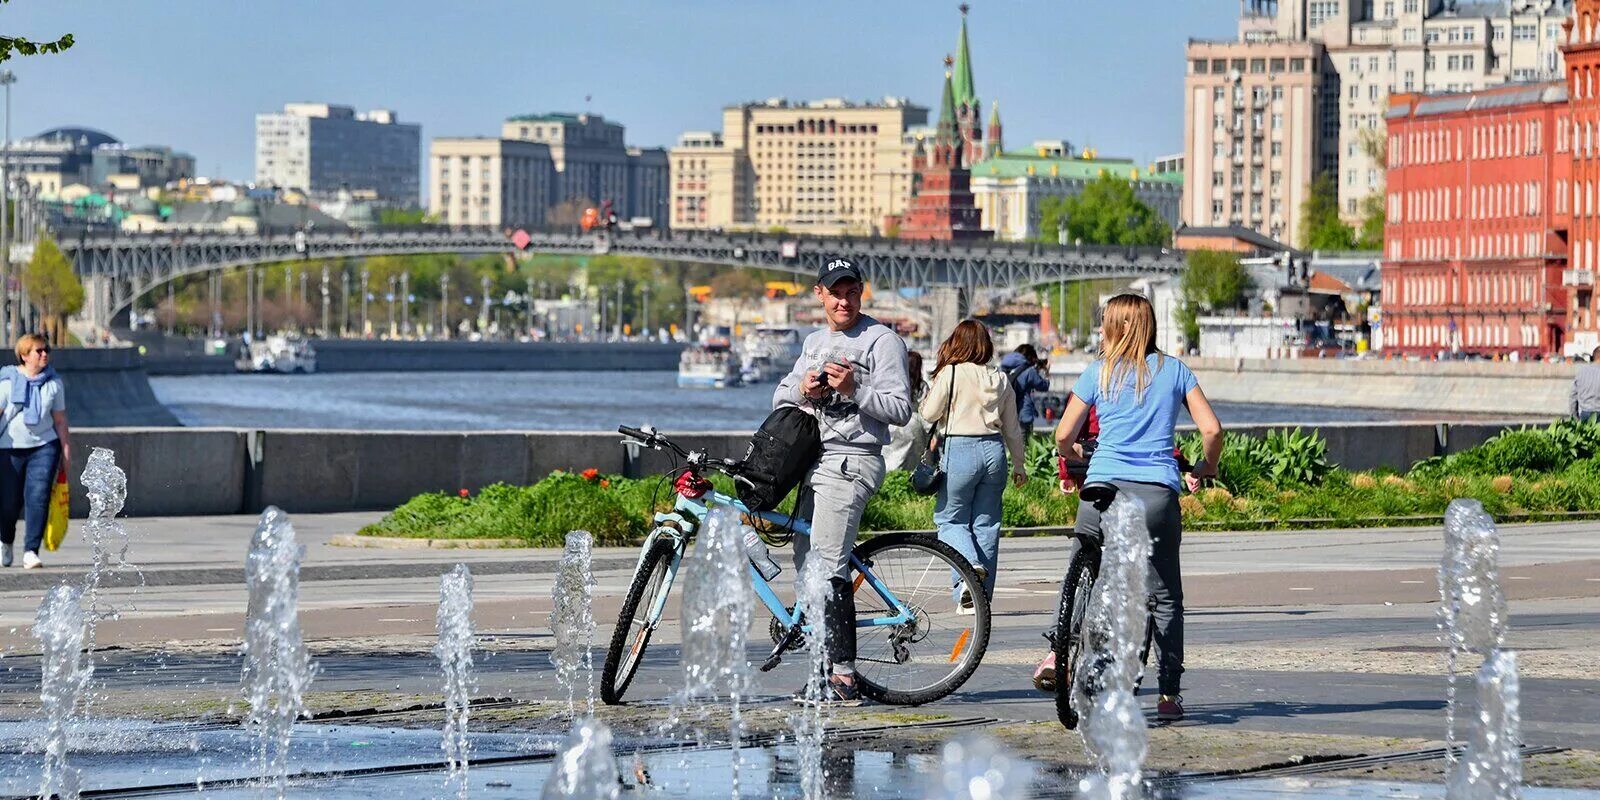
(947, 108)
(966, 91)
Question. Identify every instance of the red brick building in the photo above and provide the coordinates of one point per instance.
(1478, 221)
(942, 206)
(1583, 74)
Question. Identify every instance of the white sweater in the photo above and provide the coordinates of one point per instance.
(984, 405)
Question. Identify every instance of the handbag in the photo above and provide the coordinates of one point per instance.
(55, 527)
(929, 474)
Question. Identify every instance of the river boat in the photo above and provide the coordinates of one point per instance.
(289, 355)
(769, 352)
(708, 366)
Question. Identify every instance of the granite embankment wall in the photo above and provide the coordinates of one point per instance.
(226, 470)
(362, 355)
(1457, 387)
(108, 387)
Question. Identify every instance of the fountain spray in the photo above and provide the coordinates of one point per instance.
(60, 629)
(572, 620)
(277, 670)
(716, 617)
(454, 651)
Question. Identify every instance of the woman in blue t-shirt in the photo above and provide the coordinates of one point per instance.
(1138, 391)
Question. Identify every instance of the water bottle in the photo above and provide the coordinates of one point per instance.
(757, 550)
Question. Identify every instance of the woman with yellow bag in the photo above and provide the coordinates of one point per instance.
(34, 447)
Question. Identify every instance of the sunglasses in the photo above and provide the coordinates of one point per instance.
(41, 350)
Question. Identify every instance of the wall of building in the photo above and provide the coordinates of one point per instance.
(228, 471)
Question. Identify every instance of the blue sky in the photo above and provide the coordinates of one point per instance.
(193, 73)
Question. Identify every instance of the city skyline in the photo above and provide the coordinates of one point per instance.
(202, 94)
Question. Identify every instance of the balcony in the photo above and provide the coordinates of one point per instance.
(1577, 277)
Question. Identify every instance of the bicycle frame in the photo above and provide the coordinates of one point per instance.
(684, 521)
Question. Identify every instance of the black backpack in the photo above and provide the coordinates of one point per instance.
(784, 449)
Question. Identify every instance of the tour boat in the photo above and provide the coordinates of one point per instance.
(707, 366)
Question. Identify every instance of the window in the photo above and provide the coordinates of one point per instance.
(1524, 33)
(1219, 95)
(1372, 92)
(1411, 80)
(1258, 65)
(1297, 65)
(1216, 179)
(1277, 149)
(1469, 34)
(1388, 9)
(1219, 150)
(1277, 93)
(1431, 36)
(1411, 6)
(1321, 11)
(1453, 35)
(1469, 61)
(1453, 62)
(1218, 66)
(1355, 91)
(1277, 122)
(1430, 63)
(1409, 35)
(1372, 64)
(1216, 209)
(1277, 65)
(1499, 33)
(1277, 177)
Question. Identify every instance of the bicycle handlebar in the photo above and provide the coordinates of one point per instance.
(726, 465)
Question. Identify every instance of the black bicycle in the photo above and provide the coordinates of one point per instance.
(1069, 643)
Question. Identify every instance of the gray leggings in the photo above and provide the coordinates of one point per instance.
(1165, 523)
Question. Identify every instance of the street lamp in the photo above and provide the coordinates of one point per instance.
(444, 305)
(366, 294)
(405, 304)
(8, 321)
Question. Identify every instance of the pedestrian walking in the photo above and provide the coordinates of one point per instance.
(34, 445)
(908, 442)
(1584, 402)
(976, 414)
(1026, 373)
(1137, 392)
(852, 375)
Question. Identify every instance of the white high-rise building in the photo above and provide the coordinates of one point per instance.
(321, 149)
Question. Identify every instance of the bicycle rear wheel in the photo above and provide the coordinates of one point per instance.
(930, 656)
(636, 622)
(1075, 589)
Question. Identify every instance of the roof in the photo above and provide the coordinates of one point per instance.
(1243, 234)
(966, 92)
(278, 215)
(947, 111)
(1016, 164)
(1498, 10)
(1357, 274)
(1517, 94)
(74, 135)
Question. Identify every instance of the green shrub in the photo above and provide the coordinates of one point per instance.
(1522, 451)
(1041, 457)
(1298, 459)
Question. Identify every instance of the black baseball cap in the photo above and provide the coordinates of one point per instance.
(835, 270)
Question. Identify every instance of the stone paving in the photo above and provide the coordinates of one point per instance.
(1300, 643)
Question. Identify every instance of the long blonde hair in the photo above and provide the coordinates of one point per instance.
(1130, 336)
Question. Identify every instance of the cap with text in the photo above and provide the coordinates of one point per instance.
(836, 270)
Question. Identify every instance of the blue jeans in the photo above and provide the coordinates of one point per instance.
(26, 477)
(968, 508)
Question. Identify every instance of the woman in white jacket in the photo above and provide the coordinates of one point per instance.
(972, 408)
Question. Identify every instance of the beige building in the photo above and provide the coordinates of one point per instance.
(1251, 139)
(1375, 47)
(487, 181)
(824, 167)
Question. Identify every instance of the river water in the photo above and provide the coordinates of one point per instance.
(581, 401)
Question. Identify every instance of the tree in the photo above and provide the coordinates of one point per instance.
(1106, 212)
(568, 213)
(17, 45)
(1320, 225)
(391, 217)
(53, 288)
(1213, 281)
(1374, 216)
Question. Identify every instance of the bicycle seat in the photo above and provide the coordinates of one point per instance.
(1098, 493)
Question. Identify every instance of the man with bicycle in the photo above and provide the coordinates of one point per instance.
(852, 376)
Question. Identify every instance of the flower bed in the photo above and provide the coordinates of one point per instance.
(1280, 481)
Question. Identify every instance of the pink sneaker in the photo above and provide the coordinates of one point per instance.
(1044, 675)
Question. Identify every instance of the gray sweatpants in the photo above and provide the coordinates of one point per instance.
(840, 483)
(1165, 523)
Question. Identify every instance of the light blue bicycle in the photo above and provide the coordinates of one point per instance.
(914, 641)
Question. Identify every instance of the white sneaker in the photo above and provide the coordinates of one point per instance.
(5, 555)
(30, 560)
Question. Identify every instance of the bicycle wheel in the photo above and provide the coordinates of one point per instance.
(634, 623)
(1076, 587)
(931, 656)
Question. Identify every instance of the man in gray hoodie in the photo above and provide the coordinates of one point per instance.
(852, 376)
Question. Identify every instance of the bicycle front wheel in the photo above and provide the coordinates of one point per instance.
(937, 649)
(1075, 590)
(637, 621)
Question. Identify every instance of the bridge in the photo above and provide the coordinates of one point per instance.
(117, 269)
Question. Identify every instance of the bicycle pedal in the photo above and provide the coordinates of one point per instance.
(783, 646)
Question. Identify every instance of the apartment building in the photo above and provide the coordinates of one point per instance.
(1583, 82)
(1373, 48)
(593, 163)
(824, 167)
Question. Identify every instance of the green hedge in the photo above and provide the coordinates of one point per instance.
(1281, 481)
